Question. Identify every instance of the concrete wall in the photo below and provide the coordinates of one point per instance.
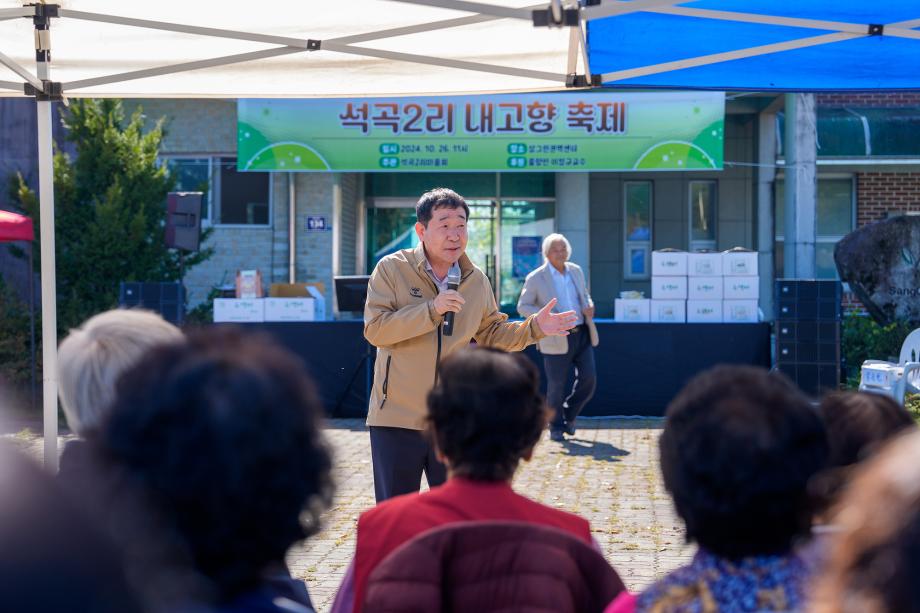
(670, 193)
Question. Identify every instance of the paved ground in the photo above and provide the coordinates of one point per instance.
(608, 473)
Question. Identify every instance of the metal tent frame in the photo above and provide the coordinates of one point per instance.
(569, 14)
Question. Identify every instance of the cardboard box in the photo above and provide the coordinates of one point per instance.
(669, 262)
(881, 374)
(704, 288)
(704, 311)
(636, 310)
(669, 288)
(668, 311)
(294, 290)
(248, 284)
(739, 263)
(739, 311)
(704, 264)
(741, 288)
(239, 310)
(290, 309)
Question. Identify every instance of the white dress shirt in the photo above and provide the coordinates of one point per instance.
(566, 293)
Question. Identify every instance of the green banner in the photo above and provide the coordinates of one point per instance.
(567, 131)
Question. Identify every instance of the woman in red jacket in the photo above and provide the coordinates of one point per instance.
(486, 414)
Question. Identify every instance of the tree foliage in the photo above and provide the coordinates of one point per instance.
(109, 209)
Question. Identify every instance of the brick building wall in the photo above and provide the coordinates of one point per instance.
(869, 99)
(881, 194)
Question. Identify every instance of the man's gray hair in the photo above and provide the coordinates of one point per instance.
(94, 356)
(554, 238)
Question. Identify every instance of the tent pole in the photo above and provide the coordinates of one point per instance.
(32, 321)
(49, 296)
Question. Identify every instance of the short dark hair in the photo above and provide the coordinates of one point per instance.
(439, 197)
(858, 424)
(486, 412)
(738, 448)
(222, 433)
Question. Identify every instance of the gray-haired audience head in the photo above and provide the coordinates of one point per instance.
(94, 356)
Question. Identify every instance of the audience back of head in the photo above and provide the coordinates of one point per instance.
(875, 561)
(222, 434)
(486, 412)
(93, 356)
(858, 425)
(52, 557)
(738, 448)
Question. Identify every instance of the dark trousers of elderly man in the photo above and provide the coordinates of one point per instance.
(568, 403)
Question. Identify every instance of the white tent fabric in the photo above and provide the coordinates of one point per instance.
(241, 49)
(84, 49)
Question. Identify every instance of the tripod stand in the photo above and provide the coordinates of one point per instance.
(366, 362)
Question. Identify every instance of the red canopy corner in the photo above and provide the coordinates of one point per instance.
(15, 227)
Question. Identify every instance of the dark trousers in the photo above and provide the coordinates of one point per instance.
(568, 406)
(400, 456)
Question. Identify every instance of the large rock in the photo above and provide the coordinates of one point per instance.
(881, 262)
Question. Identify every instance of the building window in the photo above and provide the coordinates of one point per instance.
(637, 223)
(703, 215)
(230, 197)
(835, 217)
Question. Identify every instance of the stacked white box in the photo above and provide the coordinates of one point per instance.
(290, 309)
(739, 311)
(704, 311)
(631, 310)
(668, 311)
(739, 263)
(669, 263)
(741, 288)
(239, 310)
(704, 264)
(704, 288)
(669, 288)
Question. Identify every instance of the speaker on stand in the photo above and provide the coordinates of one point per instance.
(183, 227)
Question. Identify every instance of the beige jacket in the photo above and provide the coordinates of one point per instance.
(400, 320)
(540, 289)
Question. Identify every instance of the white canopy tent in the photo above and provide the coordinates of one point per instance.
(239, 49)
(308, 48)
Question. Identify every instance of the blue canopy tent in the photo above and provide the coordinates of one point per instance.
(757, 45)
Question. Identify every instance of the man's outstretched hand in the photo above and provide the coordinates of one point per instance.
(555, 324)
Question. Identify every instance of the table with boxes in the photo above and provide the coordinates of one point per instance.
(273, 309)
(699, 287)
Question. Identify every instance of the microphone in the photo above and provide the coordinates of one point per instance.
(453, 282)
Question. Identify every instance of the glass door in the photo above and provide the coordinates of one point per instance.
(482, 241)
(505, 233)
(524, 225)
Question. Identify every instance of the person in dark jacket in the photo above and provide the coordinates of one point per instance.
(220, 435)
(486, 414)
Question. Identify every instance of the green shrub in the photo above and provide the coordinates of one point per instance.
(109, 210)
(863, 339)
(15, 364)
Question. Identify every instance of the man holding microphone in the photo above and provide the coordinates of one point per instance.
(407, 317)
